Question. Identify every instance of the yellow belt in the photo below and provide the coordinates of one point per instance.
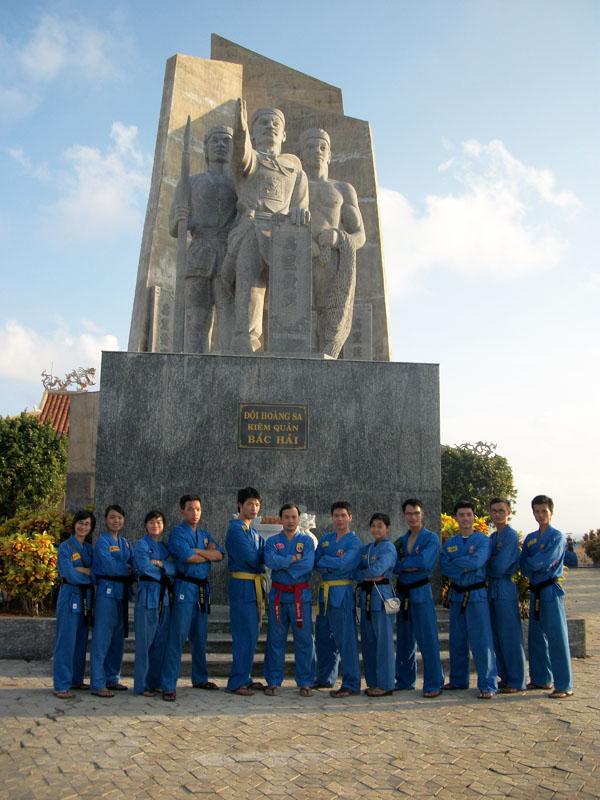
(259, 588)
(326, 585)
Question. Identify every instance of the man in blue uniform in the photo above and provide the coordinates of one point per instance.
(504, 600)
(416, 624)
(193, 550)
(464, 558)
(111, 571)
(291, 557)
(542, 563)
(246, 563)
(337, 557)
(154, 570)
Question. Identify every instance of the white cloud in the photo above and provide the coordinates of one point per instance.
(16, 103)
(57, 44)
(500, 223)
(40, 171)
(24, 352)
(104, 193)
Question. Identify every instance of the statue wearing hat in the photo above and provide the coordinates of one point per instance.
(207, 203)
(337, 233)
(270, 184)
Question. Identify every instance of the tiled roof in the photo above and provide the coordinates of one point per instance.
(55, 410)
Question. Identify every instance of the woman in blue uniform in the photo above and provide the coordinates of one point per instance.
(113, 578)
(74, 606)
(155, 571)
(374, 576)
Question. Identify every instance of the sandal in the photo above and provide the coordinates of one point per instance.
(339, 693)
(531, 686)
(65, 694)
(560, 694)
(82, 687)
(507, 690)
(104, 693)
(117, 687)
(270, 691)
(169, 696)
(432, 694)
(208, 685)
(450, 687)
(256, 686)
(149, 693)
(377, 692)
(243, 691)
(306, 691)
(485, 695)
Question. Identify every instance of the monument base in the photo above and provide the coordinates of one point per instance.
(303, 430)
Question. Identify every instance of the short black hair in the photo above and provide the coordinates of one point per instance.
(504, 500)
(114, 507)
(341, 504)
(82, 514)
(248, 493)
(464, 504)
(288, 507)
(412, 501)
(543, 500)
(383, 517)
(188, 498)
(154, 514)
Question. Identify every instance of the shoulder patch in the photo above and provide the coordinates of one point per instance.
(299, 547)
(75, 556)
(325, 543)
(279, 545)
(452, 549)
(115, 548)
(531, 542)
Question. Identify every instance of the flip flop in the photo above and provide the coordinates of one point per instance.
(270, 691)
(306, 691)
(560, 694)
(532, 686)
(485, 695)
(104, 693)
(149, 693)
(169, 696)
(376, 692)
(208, 685)
(117, 687)
(243, 691)
(339, 693)
(64, 695)
(83, 687)
(432, 694)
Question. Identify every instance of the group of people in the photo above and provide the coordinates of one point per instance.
(389, 581)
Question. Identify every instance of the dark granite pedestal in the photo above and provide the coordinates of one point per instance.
(307, 430)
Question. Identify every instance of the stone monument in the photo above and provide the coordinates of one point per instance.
(271, 412)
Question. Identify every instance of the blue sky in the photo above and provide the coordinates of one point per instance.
(485, 120)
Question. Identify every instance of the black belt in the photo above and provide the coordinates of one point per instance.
(165, 586)
(466, 592)
(127, 581)
(203, 593)
(404, 590)
(367, 588)
(87, 609)
(536, 590)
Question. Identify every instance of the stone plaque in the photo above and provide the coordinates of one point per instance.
(290, 290)
(278, 426)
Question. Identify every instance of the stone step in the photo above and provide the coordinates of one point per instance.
(219, 664)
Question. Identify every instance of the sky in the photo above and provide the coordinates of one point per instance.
(485, 121)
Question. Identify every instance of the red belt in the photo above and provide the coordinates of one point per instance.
(296, 588)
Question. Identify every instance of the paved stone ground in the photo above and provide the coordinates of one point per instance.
(216, 745)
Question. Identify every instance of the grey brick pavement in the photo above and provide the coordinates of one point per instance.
(215, 745)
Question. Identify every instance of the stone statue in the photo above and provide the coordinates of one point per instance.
(208, 204)
(337, 233)
(269, 184)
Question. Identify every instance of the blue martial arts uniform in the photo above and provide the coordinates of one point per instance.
(335, 628)
(152, 615)
(291, 605)
(542, 558)
(246, 554)
(111, 558)
(464, 562)
(189, 616)
(70, 644)
(571, 559)
(504, 608)
(376, 632)
(417, 626)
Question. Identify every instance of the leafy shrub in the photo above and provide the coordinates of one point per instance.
(28, 568)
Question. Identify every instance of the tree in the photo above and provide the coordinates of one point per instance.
(33, 462)
(475, 472)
